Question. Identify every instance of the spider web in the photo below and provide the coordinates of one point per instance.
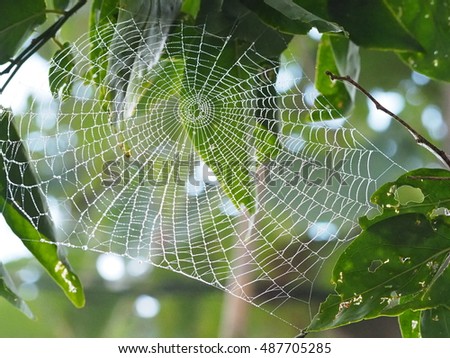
(134, 182)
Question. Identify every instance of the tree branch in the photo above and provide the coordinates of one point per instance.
(37, 43)
(421, 140)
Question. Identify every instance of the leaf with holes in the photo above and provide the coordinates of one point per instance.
(409, 322)
(431, 323)
(395, 265)
(419, 191)
(25, 211)
(20, 18)
(399, 261)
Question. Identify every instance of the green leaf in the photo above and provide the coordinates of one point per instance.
(435, 323)
(165, 77)
(15, 173)
(266, 142)
(249, 30)
(265, 134)
(428, 22)
(160, 88)
(415, 192)
(18, 21)
(394, 265)
(25, 210)
(290, 16)
(60, 75)
(191, 7)
(340, 56)
(211, 16)
(409, 322)
(372, 24)
(276, 19)
(232, 17)
(294, 11)
(208, 8)
(61, 4)
(8, 292)
(48, 255)
(102, 19)
(231, 163)
(225, 113)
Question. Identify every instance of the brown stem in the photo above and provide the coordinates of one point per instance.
(421, 140)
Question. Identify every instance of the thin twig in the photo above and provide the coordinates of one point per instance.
(421, 140)
(37, 43)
